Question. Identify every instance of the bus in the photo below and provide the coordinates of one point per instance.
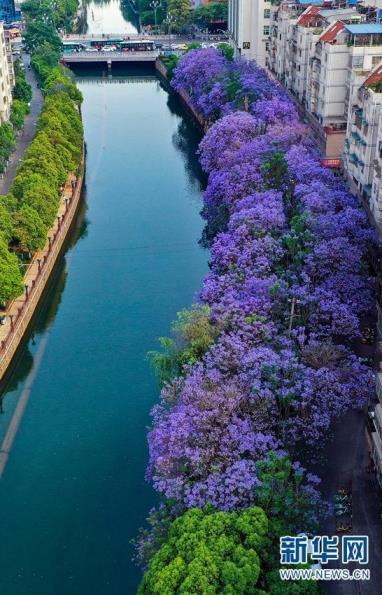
(140, 45)
(100, 43)
(69, 47)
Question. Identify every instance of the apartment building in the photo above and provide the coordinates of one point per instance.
(374, 431)
(319, 55)
(282, 21)
(249, 26)
(363, 143)
(299, 33)
(376, 159)
(6, 76)
(303, 35)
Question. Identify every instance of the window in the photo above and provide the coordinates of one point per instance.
(357, 62)
(267, 13)
(376, 60)
(266, 30)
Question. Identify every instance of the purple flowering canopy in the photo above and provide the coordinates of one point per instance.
(287, 287)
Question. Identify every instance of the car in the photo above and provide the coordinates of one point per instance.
(108, 48)
(158, 45)
(91, 50)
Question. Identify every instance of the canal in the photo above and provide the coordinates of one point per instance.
(73, 494)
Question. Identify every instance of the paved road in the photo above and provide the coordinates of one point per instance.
(27, 133)
(345, 464)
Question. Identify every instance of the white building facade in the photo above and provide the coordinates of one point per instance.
(6, 77)
(249, 26)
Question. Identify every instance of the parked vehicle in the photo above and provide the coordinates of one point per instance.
(342, 511)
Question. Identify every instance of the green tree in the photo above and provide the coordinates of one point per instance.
(30, 231)
(7, 143)
(39, 32)
(194, 333)
(19, 110)
(209, 552)
(227, 50)
(6, 223)
(278, 587)
(44, 59)
(44, 202)
(283, 495)
(180, 10)
(22, 89)
(215, 11)
(10, 277)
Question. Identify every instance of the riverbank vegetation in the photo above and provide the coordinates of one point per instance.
(279, 311)
(181, 13)
(31, 207)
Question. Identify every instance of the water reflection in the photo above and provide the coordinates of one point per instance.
(186, 140)
(110, 19)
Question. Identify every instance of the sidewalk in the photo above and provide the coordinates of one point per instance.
(27, 133)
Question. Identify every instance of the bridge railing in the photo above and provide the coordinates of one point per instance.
(106, 36)
(102, 56)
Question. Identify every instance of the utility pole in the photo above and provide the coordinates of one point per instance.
(293, 302)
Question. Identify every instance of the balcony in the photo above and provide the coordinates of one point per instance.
(364, 40)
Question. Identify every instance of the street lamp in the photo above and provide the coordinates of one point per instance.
(155, 4)
(169, 21)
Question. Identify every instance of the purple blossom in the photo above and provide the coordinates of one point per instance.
(282, 229)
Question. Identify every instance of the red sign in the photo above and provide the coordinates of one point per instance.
(331, 162)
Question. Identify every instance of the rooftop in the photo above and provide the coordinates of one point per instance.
(331, 33)
(308, 17)
(364, 28)
(329, 12)
(375, 78)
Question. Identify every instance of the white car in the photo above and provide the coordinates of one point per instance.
(91, 50)
(108, 48)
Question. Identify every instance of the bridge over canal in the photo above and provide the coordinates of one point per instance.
(108, 58)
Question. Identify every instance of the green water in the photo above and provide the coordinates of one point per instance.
(73, 492)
